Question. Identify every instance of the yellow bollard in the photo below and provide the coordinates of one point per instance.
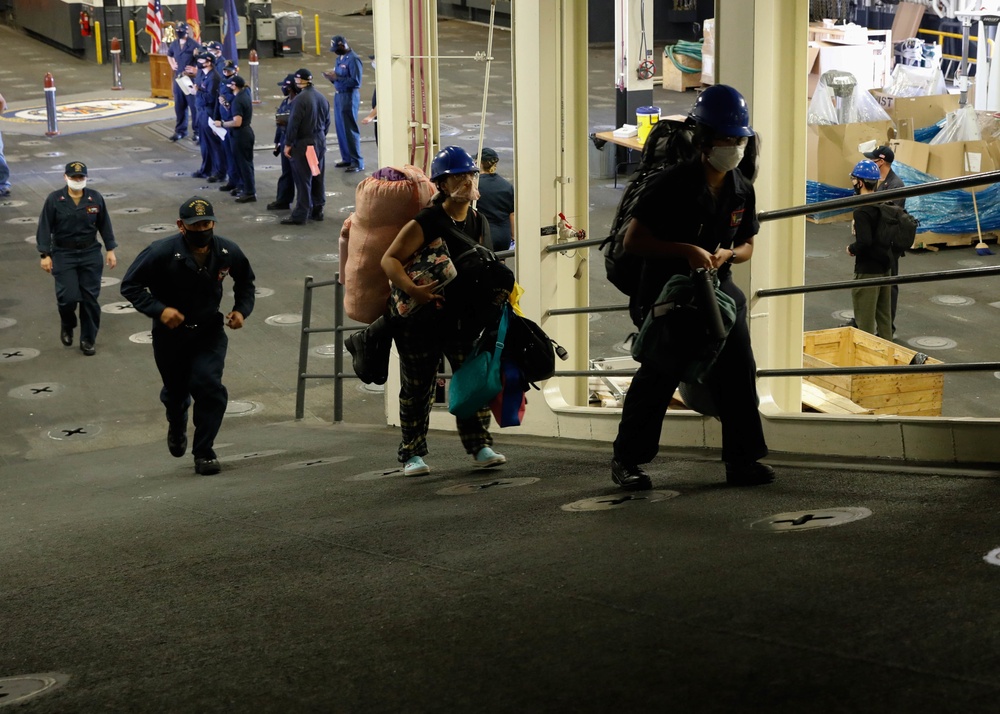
(131, 30)
(97, 41)
(317, 36)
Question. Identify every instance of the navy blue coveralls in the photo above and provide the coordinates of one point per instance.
(212, 156)
(184, 104)
(243, 140)
(286, 186)
(308, 126)
(190, 357)
(679, 207)
(345, 106)
(225, 114)
(68, 231)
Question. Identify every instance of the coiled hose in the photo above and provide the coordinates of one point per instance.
(689, 49)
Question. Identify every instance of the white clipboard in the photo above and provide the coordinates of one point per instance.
(185, 83)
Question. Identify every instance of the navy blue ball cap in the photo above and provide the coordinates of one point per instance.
(76, 168)
(195, 210)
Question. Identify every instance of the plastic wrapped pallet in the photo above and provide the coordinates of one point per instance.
(708, 52)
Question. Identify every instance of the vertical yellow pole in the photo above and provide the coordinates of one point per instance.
(97, 41)
(317, 35)
(131, 30)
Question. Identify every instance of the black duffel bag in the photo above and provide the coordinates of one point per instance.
(531, 349)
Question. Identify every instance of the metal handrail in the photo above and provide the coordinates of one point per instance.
(834, 204)
(338, 375)
(931, 277)
(882, 196)
(338, 329)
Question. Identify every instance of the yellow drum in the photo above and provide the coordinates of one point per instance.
(645, 117)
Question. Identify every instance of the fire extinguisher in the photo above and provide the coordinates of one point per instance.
(84, 23)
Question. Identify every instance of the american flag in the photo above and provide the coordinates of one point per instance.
(154, 25)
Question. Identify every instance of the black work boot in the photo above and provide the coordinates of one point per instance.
(748, 473)
(630, 476)
(177, 441)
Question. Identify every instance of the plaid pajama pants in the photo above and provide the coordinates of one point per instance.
(420, 350)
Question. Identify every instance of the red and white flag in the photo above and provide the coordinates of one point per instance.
(154, 25)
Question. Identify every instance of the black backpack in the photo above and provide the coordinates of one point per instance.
(896, 228)
(669, 143)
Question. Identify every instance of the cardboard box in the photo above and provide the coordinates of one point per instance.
(869, 63)
(918, 112)
(832, 150)
(958, 158)
(676, 80)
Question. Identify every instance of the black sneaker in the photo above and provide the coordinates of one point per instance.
(207, 466)
(277, 206)
(630, 477)
(227, 187)
(177, 440)
(247, 199)
(752, 473)
(316, 215)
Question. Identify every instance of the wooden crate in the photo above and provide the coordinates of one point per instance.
(679, 81)
(933, 241)
(902, 394)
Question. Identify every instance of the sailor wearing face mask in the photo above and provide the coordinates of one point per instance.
(698, 214)
(178, 281)
(346, 79)
(67, 242)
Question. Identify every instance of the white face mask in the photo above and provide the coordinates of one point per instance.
(77, 185)
(726, 158)
(468, 191)
(373, 64)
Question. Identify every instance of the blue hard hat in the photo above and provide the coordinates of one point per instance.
(452, 160)
(723, 110)
(867, 170)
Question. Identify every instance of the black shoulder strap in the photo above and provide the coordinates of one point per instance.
(454, 231)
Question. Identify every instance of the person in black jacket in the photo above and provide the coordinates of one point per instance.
(872, 306)
(883, 157)
(241, 131)
(286, 187)
(697, 214)
(67, 242)
(177, 281)
(307, 127)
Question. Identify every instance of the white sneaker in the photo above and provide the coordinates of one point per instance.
(416, 467)
(487, 457)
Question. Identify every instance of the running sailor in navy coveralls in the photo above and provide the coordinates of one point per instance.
(67, 241)
(177, 281)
